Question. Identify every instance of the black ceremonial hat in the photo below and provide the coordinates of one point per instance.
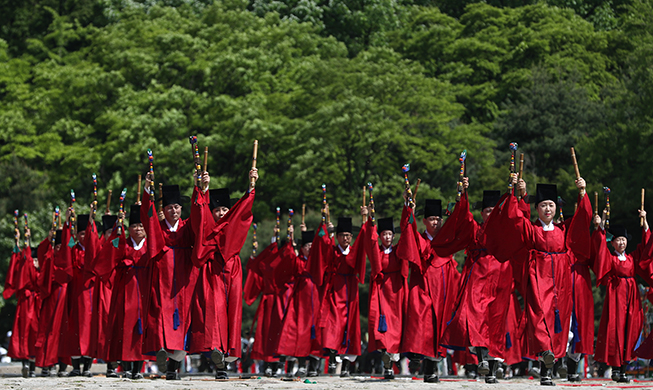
(35, 252)
(307, 236)
(219, 197)
(344, 225)
(134, 214)
(108, 221)
(490, 198)
(82, 222)
(619, 231)
(546, 192)
(172, 195)
(57, 238)
(385, 224)
(433, 207)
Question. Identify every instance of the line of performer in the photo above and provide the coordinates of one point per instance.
(148, 285)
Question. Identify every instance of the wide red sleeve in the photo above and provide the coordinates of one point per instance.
(370, 242)
(283, 271)
(254, 279)
(46, 275)
(201, 222)
(457, 232)
(110, 254)
(408, 247)
(578, 235)
(63, 260)
(643, 257)
(507, 231)
(155, 239)
(321, 255)
(356, 257)
(11, 281)
(603, 257)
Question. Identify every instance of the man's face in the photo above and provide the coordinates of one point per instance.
(433, 224)
(344, 239)
(386, 238)
(80, 236)
(619, 244)
(219, 212)
(306, 249)
(172, 213)
(546, 209)
(137, 232)
(485, 214)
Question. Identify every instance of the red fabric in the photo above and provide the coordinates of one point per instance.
(24, 278)
(12, 276)
(339, 319)
(131, 289)
(548, 284)
(480, 313)
(433, 282)
(216, 313)
(56, 272)
(388, 293)
(298, 336)
(79, 339)
(513, 353)
(173, 279)
(622, 316)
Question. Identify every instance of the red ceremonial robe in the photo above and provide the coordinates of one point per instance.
(22, 279)
(298, 336)
(622, 317)
(433, 282)
(388, 293)
(56, 272)
(217, 310)
(339, 275)
(480, 314)
(79, 337)
(173, 279)
(261, 280)
(130, 282)
(101, 322)
(548, 287)
(514, 346)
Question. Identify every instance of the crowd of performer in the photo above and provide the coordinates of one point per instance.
(157, 287)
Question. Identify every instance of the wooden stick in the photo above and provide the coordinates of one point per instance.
(160, 196)
(108, 210)
(138, 190)
(416, 188)
(521, 172)
(254, 155)
(641, 219)
(206, 157)
(573, 158)
(596, 203)
(303, 212)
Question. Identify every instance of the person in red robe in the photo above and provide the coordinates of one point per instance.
(552, 249)
(127, 260)
(298, 336)
(216, 311)
(433, 279)
(22, 280)
(78, 345)
(339, 269)
(622, 317)
(388, 292)
(101, 322)
(483, 297)
(56, 272)
(170, 247)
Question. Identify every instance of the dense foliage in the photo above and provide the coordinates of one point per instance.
(340, 92)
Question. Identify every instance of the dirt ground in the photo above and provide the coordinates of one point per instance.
(10, 379)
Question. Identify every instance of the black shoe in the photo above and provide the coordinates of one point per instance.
(87, 374)
(45, 372)
(162, 360)
(313, 367)
(615, 374)
(430, 375)
(500, 372)
(562, 369)
(546, 375)
(572, 368)
(344, 369)
(389, 374)
(32, 367)
(491, 379)
(75, 372)
(387, 360)
(111, 373)
(171, 371)
(623, 378)
(221, 375)
(136, 370)
(217, 357)
(548, 358)
(470, 371)
(25, 370)
(301, 372)
(483, 368)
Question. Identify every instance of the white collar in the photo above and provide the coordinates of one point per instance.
(545, 227)
(344, 251)
(621, 256)
(137, 246)
(172, 228)
(81, 246)
(430, 237)
(387, 250)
